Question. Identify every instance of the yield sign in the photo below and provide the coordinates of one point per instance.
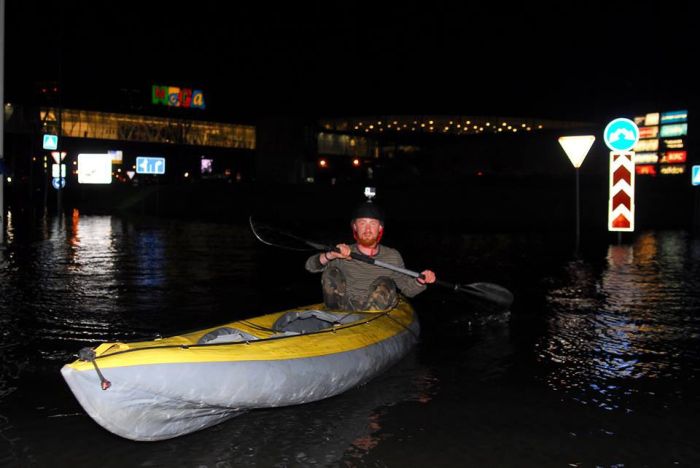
(576, 147)
(621, 203)
(58, 156)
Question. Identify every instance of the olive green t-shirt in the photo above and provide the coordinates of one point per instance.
(360, 275)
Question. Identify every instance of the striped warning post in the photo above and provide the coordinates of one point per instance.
(621, 203)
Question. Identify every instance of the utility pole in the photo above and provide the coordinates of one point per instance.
(2, 122)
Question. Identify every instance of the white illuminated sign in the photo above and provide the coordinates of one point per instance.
(652, 119)
(646, 158)
(576, 147)
(647, 145)
(58, 170)
(94, 168)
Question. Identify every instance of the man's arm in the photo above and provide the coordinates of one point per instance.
(314, 264)
(408, 285)
(317, 263)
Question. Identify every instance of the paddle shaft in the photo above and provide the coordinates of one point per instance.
(389, 266)
(464, 288)
(493, 293)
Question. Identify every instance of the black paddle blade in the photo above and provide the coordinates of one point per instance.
(276, 238)
(496, 296)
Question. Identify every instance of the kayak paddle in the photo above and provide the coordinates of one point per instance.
(496, 295)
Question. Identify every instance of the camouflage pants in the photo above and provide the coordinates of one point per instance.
(382, 293)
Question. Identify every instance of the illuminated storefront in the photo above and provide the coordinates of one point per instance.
(138, 128)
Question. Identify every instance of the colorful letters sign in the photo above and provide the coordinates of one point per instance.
(178, 97)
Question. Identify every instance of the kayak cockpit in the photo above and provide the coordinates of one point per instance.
(295, 322)
(309, 321)
(226, 335)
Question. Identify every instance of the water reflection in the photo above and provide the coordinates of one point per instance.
(617, 330)
(323, 433)
(611, 334)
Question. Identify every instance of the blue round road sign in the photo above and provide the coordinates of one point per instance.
(58, 182)
(621, 135)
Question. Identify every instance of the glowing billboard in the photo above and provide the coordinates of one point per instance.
(94, 168)
(674, 117)
(674, 130)
(652, 119)
(647, 145)
(173, 96)
(648, 132)
(646, 158)
(645, 169)
(674, 157)
(673, 169)
(674, 143)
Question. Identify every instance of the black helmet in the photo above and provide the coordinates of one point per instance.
(368, 210)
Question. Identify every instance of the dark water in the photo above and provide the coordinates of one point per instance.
(597, 365)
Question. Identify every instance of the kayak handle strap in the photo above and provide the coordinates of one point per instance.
(88, 355)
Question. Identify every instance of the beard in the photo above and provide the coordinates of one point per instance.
(367, 240)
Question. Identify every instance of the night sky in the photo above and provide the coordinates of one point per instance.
(593, 60)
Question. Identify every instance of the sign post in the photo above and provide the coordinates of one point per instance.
(576, 148)
(2, 121)
(620, 136)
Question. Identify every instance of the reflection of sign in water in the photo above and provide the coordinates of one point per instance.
(150, 165)
(621, 135)
(621, 203)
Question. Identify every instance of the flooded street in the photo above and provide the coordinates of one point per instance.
(596, 365)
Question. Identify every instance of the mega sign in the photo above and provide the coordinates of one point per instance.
(178, 97)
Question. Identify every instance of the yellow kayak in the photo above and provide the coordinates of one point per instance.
(154, 390)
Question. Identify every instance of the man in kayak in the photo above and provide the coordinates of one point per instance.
(354, 285)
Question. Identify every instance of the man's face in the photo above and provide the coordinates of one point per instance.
(367, 231)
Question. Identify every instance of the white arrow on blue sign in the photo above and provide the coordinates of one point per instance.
(58, 183)
(150, 165)
(621, 134)
(696, 175)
